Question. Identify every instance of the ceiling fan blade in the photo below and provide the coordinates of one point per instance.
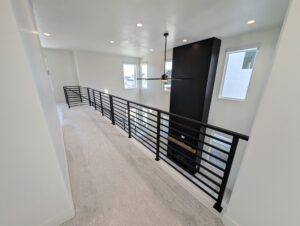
(179, 79)
(146, 79)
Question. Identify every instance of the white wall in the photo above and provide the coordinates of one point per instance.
(33, 172)
(105, 71)
(62, 71)
(154, 95)
(268, 186)
(239, 115)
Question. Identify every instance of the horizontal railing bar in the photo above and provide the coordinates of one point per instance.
(147, 139)
(229, 132)
(132, 118)
(141, 120)
(118, 121)
(71, 86)
(199, 157)
(121, 118)
(141, 128)
(119, 125)
(106, 115)
(106, 101)
(198, 131)
(204, 190)
(212, 181)
(186, 157)
(193, 160)
(137, 137)
(144, 117)
(195, 139)
(120, 115)
(140, 109)
(200, 149)
(121, 107)
(116, 100)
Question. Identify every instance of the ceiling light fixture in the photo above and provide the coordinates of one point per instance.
(35, 32)
(139, 25)
(151, 50)
(184, 40)
(112, 42)
(251, 22)
(47, 34)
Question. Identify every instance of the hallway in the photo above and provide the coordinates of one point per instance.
(113, 182)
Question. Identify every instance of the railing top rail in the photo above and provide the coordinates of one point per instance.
(222, 130)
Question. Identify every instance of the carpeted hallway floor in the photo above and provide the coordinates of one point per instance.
(115, 183)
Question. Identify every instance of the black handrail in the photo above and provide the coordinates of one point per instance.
(208, 171)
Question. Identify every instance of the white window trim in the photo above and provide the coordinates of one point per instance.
(163, 83)
(140, 76)
(137, 74)
(232, 50)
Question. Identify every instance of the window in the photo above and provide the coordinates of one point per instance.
(237, 73)
(167, 84)
(144, 74)
(129, 71)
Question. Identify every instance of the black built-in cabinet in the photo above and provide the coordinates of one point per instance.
(191, 98)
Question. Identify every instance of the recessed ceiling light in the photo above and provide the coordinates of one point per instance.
(251, 22)
(47, 34)
(112, 42)
(151, 50)
(184, 40)
(35, 32)
(139, 25)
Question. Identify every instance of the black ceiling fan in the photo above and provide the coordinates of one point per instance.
(164, 77)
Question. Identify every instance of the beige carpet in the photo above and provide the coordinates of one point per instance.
(115, 183)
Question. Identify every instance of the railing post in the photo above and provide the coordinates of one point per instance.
(218, 204)
(129, 121)
(67, 97)
(112, 115)
(158, 135)
(94, 99)
(101, 105)
(79, 90)
(88, 92)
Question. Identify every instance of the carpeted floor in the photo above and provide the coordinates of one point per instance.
(115, 183)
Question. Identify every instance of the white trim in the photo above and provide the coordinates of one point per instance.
(236, 50)
(163, 83)
(135, 77)
(228, 221)
(140, 76)
(61, 218)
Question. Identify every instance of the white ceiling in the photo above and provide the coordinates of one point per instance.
(91, 24)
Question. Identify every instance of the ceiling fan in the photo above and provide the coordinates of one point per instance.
(164, 77)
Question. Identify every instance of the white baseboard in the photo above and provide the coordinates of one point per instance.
(228, 221)
(58, 220)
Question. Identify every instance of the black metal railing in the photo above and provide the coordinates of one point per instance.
(202, 153)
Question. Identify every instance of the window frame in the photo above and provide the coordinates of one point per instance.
(140, 76)
(164, 83)
(135, 77)
(233, 50)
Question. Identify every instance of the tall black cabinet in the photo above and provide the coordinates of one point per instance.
(191, 98)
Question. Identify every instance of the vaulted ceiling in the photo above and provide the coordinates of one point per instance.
(92, 24)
